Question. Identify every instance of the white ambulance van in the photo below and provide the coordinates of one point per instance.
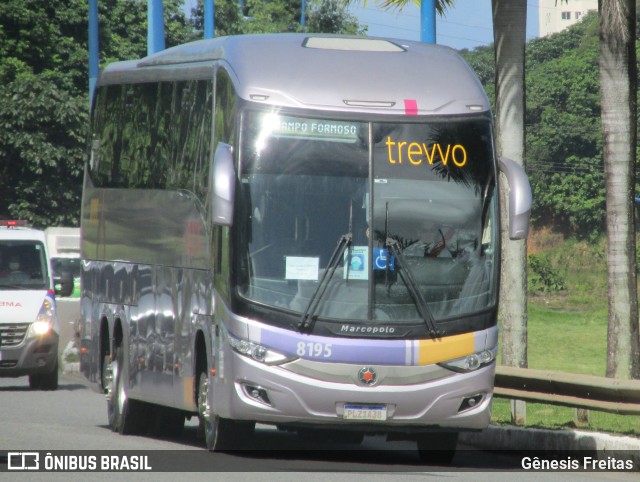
(29, 329)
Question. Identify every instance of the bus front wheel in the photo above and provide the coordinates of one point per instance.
(219, 433)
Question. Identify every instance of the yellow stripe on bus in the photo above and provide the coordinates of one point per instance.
(442, 349)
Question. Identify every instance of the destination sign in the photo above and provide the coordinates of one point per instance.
(418, 153)
(337, 131)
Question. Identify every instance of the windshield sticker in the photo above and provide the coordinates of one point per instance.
(356, 263)
(380, 259)
(418, 153)
(301, 268)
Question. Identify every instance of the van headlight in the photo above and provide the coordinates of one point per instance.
(472, 362)
(256, 352)
(46, 319)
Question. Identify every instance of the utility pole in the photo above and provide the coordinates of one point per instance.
(209, 19)
(155, 30)
(428, 21)
(94, 51)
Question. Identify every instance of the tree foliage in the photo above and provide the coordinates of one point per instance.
(44, 100)
(43, 109)
(332, 16)
(44, 83)
(564, 153)
(257, 16)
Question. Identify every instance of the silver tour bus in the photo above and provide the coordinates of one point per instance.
(295, 230)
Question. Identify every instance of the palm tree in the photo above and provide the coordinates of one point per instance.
(441, 5)
(618, 87)
(509, 27)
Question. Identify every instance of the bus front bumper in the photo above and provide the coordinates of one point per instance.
(276, 395)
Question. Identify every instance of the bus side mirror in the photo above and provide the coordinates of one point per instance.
(222, 182)
(519, 198)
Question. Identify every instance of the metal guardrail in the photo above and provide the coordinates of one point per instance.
(568, 389)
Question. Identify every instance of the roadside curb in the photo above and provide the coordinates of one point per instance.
(534, 439)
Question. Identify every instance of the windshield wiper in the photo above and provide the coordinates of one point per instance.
(393, 247)
(307, 319)
(412, 286)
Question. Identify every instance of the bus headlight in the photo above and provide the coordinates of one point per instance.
(257, 352)
(471, 362)
(45, 321)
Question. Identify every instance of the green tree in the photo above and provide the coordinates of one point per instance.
(564, 147)
(43, 109)
(331, 16)
(43, 96)
(257, 16)
(271, 17)
(228, 18)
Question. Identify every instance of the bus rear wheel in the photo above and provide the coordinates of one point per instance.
(125, 416)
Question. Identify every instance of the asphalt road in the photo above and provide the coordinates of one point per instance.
(73, 418)
(68, 313)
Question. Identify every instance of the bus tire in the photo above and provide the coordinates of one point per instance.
(437, 448)
(218, 432)
(125, 416)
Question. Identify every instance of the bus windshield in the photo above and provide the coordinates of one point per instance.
(369, 222)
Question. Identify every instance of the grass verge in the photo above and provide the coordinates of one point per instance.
(567, 332)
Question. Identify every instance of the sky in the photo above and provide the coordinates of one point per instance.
(467, 25)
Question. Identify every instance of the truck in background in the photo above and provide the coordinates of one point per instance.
(29, 327)
(64, 252)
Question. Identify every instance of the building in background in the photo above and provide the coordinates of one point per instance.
(556, 15)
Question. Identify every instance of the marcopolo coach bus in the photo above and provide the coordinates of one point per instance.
(295, 230)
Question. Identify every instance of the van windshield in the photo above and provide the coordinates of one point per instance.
(23, 265)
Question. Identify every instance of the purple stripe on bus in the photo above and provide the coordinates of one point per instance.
(337, 350)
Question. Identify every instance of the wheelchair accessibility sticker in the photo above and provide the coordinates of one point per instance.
(380, 259)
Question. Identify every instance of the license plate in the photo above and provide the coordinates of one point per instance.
(365, 412)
